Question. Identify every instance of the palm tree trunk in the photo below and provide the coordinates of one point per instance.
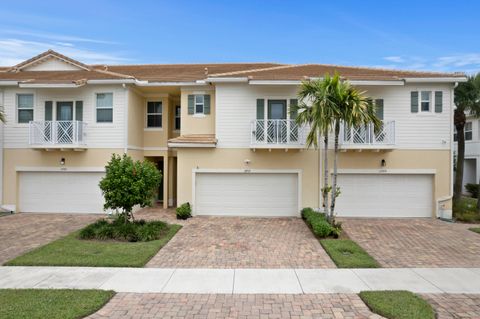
(334, 177)
(325, 174)
(459, 120)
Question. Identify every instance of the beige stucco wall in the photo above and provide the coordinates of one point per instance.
(307, 161)
(14, 158)
(136, 118)
(197, 124)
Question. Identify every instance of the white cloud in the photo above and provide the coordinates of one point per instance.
(395, 59)
(459, 61)
(469, 63)
(13, 51)
(54, 37)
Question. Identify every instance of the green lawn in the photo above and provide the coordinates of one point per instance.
(346, 253)
(51, 304)
(397, 304)
(466, 210)
(475, 229)
(71, 251)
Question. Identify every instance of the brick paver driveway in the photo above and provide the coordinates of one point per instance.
(231, 242)
(22, 232)
(416, 242)
(129, 305)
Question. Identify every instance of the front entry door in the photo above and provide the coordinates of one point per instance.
(277, 124)
(64, 127)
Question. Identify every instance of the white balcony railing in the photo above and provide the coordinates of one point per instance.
(277, 133)
(366, 135)
(61, 133)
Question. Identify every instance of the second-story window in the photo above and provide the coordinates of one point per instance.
(154, 114)
(468, 131)
(104, 107)
(24, 108)
(177, 117)
(425, 101)
(199, 104)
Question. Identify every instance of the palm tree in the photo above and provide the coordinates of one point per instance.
(467, 99)
(316, 110)
(325, 104)
(353, 109)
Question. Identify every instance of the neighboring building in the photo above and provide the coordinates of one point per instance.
(223, 136)
(471, 166)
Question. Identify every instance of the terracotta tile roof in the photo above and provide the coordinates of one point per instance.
(194, 139)
(181, 72)
(299, 72)
(194, 72)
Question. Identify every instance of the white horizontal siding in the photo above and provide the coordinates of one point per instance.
(99, 135)
(236, 108)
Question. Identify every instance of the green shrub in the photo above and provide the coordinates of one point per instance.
(317, 222)
(118, 229)
(473, 189)
(321, 228)
(184, 211)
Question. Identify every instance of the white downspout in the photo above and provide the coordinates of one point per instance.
(125, 119)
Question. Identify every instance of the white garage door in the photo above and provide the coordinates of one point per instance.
(60, 192)
(246, 194)
(377, 195)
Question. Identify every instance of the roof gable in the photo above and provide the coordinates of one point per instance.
(50, 61)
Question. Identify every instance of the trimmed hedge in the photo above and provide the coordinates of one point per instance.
(317, 222)
(139, 230)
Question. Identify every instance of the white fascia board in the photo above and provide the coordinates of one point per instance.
(146, 83)
(49, 85)
(381, 83)
(112, 81)
(8, 83)
(191, 145)
(436, 80)
(274, 82)
(227, 80)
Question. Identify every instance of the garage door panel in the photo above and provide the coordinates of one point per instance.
(381, 195)
(60, 192)
(246, 194)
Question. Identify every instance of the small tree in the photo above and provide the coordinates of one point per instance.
(128, 183)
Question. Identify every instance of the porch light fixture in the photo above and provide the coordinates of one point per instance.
(247, 162)
(384, 163)
(62, 161)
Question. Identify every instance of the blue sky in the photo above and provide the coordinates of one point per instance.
(418, 35)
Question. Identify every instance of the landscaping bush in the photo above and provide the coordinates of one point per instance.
(119, 230)
(317, 222)
(184, 211)
(473, 189)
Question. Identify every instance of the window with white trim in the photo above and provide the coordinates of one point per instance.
(425, 101)
(24, 108)
(154, 114)
(177, 117)
(104, 107)
(199, 104)
(468, 131)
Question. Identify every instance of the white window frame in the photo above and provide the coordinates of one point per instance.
(429, 101)
(103, 108)
(177, 116)
(195, 103)
(24, 108)
(147, 114)
(469, 123)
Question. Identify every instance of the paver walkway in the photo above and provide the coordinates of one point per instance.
(244, 281)
(22, 232)
(232, 242)
(410, 242)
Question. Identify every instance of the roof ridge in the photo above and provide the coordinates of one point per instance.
(284, 66)
(205, 63)
(121, 75)
(42, 55)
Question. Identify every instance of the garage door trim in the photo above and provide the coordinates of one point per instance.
(195, 171)
(60, 169)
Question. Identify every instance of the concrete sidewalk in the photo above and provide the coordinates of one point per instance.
(244, 281)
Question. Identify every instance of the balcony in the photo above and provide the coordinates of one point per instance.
(57, 135)
(270, 134)
(365, 137)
